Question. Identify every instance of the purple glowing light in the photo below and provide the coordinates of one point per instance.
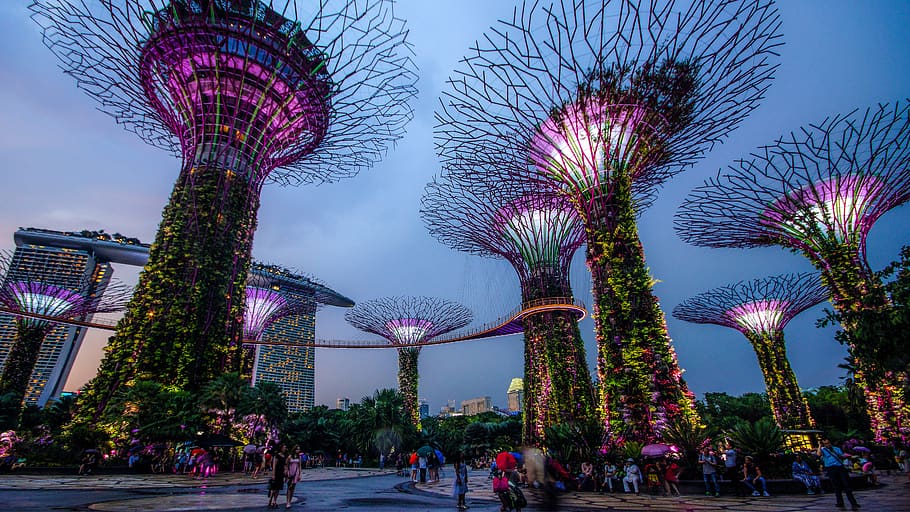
(839, 205)
(763, 316)
(263, 306)
(45, 299)
(221, 80)
(583, 144)
(409, 331)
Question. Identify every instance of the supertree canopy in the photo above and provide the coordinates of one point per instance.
(408, 322)
(537, 232)
(602, 102)
(761, 309)
(245, 94)
(818, 192)
(37, 300)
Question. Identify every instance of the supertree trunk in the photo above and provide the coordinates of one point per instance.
(558, 385)
(791, 411)
(641, 385)
(408, 378)
(22, 358)
(854, 288)
(183, 326)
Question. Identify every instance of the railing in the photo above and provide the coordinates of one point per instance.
(503, 326)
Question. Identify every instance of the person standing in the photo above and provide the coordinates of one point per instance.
(293, 473)
(708, 462)
(460, 487)
(833, 462)
(276, 483)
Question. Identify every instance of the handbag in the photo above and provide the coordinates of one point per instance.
(500, 483)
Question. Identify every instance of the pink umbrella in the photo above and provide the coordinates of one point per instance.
(506, 461)
(655, 450)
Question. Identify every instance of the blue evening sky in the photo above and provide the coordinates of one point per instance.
(66, 166)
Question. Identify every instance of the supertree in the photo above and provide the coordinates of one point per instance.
(538, 233)
(761, 309)
(818, 191)
(244, 94)
(602, 102)
(274, 292)
(407, 322)
(38, 299)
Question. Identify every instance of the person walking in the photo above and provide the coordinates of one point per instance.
(276, 483)
(292, 473)
(833, 462)
(708, 462)
(460, 487)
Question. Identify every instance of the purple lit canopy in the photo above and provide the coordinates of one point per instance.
(408, 321)
(756, 306)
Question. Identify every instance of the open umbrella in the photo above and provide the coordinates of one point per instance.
(861, 449)
(506, 461)
(655, 450)
(441, 457)
(424, 450)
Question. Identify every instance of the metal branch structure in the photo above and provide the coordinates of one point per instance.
(602, 102)
(245, 94)
(36, 292)
(406, 323)
(538, 233)
(818, 191)
(274, 292)
(761, 309)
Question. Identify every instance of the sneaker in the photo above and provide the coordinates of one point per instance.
(766, 495)
(717, 495)
(855, 506)
(810, 492)
(756, 493)
(708, 493)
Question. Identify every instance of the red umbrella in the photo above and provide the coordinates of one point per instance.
(506, 461)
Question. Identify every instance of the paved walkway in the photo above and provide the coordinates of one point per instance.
(334, 489)
(892, 496)
(162, 481)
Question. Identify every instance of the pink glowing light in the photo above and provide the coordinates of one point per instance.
(45, 299)
(541, 228)
(761, 316)
(409, 331)
(839, 206)
(581, 146)
(263, 306)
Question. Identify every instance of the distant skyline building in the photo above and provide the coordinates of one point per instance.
(423, 406)
(515, 394)
(66, 259)
(343, 404)
(475, 406)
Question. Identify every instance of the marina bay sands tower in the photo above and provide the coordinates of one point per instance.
(68, 260)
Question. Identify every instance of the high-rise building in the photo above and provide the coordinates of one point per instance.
(64, 259)
(424, 407)
(516, 394)
(476, 406)
(283, 356)
(343, 404)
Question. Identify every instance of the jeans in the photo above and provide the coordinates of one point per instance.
(840, 479)
(761, 480)
(709, 479)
